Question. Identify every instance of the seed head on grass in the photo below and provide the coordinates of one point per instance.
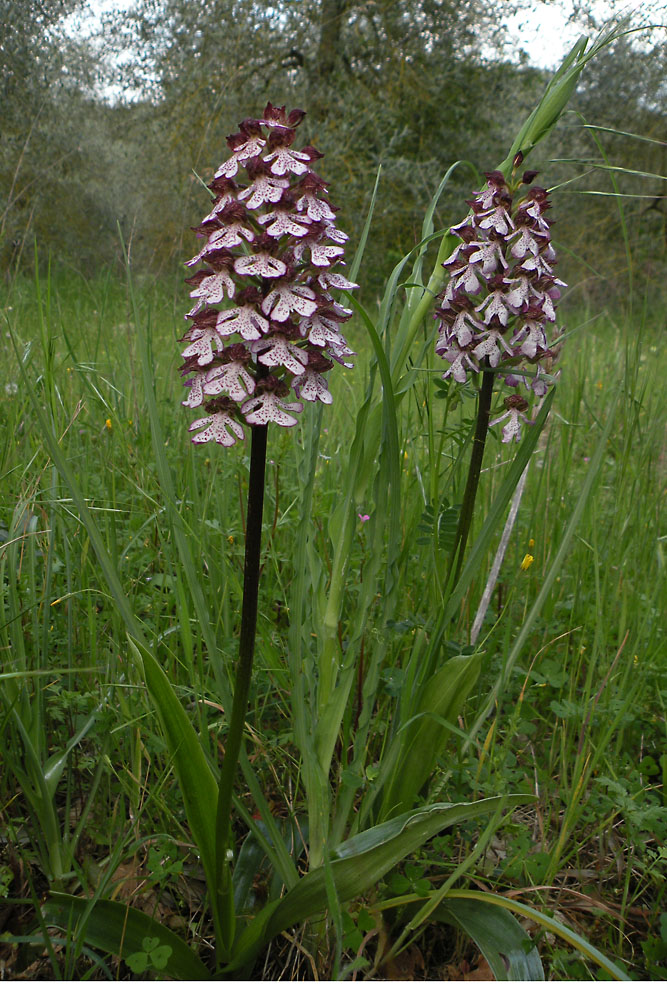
(502, 292)
(265, 326)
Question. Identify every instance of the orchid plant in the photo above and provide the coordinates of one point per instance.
(265, 331)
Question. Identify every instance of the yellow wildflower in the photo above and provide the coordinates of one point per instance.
(107, 424)
(527, 561)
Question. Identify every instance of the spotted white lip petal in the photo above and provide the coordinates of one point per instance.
(260, 265)
(335, 280)
(317, 329)
(230, 380)
(470, 281)
(462, 327)
(337, 235)
(212, 289)
(202, 347)
(495, 305)
(311, 385)
(322, 256)
(498, 221)
(525, 244)
(252, 147)
(231, 236)
(280, 301)
(283, 223)
(315, 208)
(284, 161)
(520, 293)
(263, 190)
(489, 348)
(488, 254)
(269, 409)
(244, 320)
(281, 352)
(217, 428)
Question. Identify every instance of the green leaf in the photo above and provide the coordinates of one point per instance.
(124, 931)
(138, 962)
(559, 90)
(551, 925)
(418, 744)
(505, 945)
(179, 527)
(360, 863)
(198, 786)
(160, 956)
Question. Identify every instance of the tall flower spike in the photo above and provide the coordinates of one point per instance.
(265, 324)
(502, 294)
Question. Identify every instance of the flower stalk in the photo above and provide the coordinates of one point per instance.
(234, 742)
(474, 470)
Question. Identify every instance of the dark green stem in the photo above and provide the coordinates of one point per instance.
(253, 538)
(476, 456)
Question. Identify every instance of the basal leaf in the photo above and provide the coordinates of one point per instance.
(553, 926)
(123, 931)
(500, 938)
(422, 739)
(360, 863)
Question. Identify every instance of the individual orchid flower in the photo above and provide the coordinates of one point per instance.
(515, 406)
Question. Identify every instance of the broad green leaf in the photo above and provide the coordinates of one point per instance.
(505, 945)
(421, 741)
(360, 863)
(122, 930)
(250, 859)
(198, 786)
(553, 926)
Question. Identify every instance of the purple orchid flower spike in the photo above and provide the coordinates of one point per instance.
(265, 325)
(502, 293)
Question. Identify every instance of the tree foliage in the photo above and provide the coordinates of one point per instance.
(408, 85)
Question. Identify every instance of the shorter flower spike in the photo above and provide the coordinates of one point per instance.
(265, 324)
(502, 293)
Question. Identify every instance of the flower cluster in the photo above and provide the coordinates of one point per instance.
(264, 323)
(502, 292)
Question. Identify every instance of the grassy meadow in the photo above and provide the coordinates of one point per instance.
(569, 706)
